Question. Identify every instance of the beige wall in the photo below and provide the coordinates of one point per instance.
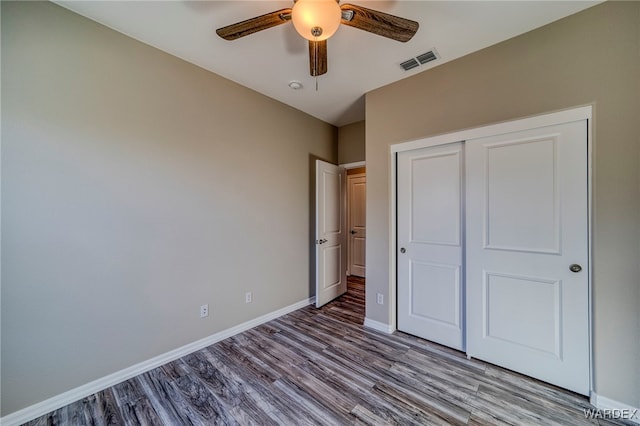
(589, 58)
(351, 143)
(136, 187)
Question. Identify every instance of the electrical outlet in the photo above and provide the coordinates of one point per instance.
(380, 299)
(204, 311)
(248, 297)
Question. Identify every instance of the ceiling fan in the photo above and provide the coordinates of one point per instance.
(317, 20)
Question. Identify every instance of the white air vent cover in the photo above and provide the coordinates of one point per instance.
(421, 59)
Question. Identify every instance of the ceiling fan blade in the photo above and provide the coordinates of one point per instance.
(380, 23)
(317, 57)
(253, 25)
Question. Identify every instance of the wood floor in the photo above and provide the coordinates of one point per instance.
(322, 367)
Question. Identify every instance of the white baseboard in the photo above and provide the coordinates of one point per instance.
(604, 403)
(34, 411)
(377, 325)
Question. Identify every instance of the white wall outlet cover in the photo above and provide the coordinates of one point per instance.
(204, 311)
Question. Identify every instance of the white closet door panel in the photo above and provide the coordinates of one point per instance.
(526, 224)
(522, 196)
(434, 198)
(435, 291)
(430, 233)
(516, 303)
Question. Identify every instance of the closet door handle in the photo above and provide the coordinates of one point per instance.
(403, 250)
(575, 268)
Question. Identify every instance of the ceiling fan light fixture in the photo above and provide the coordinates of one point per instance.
(316, 20)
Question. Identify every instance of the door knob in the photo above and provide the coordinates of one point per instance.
(403, 250)
(322, 241)
(575, 268)
(353, 232)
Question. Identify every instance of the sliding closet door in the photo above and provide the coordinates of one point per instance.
(430, 235)
(527, 253)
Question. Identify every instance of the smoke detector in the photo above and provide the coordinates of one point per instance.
(295, 85)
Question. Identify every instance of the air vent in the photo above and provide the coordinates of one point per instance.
(422, 59)
(427, 57)
(411, 63)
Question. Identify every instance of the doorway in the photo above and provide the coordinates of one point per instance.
(340, 229)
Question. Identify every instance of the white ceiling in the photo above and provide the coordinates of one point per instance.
(358, 61)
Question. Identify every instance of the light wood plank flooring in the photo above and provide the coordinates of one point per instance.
(322, 367)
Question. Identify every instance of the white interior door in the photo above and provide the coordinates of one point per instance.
(356, 202)
(527, 230)
(430, 241)
(331, 255)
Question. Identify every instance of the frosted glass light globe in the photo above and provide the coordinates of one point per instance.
(309, 15)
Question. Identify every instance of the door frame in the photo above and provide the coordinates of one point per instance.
(550, 119)
(355, 165)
